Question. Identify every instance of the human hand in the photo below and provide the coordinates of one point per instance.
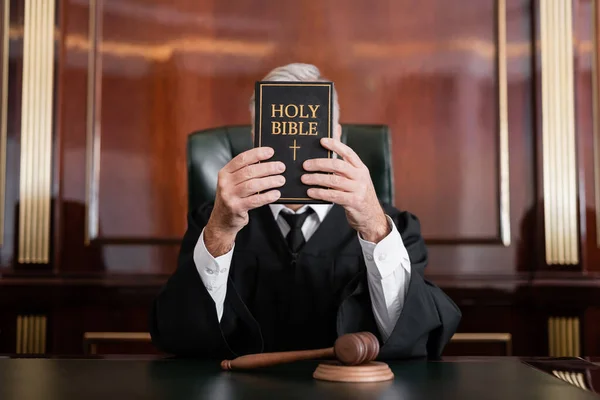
(243, 184)
(350, 186)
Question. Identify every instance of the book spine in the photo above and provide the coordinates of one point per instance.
(257, 115)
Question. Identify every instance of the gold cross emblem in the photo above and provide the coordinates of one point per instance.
(294, 147)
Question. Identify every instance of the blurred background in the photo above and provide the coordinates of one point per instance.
(493, 113)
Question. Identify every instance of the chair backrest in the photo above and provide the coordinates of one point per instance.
(209, 150)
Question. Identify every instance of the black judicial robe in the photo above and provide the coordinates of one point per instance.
(277, 301)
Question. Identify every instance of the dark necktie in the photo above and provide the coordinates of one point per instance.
(295, 238)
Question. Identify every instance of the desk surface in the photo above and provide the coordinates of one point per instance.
(65, 379)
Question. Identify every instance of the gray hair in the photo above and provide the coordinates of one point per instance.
(298, 72)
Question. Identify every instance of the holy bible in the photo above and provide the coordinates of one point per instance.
(292, 117)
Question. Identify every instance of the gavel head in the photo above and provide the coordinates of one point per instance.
(356, 348)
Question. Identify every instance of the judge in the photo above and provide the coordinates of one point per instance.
(254, 277)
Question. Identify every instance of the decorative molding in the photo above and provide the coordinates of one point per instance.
(36, 132)
(91, 340)
(93, 141)
(504, 224)
(4, 114)
(470, 241)
(504, 338)
(563, 337)
(92, 184)
(501, 337)
(31, 334)
(505, 234)
(595, 121)
(138, 240)
(558, 133)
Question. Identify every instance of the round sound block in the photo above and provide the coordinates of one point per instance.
(373, 371)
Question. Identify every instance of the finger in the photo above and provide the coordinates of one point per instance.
(330, 195)
(252, 186)
(259, 200)
(330, 181)
(335, 165)
(248, 157)
(257, 171)
(343, 150)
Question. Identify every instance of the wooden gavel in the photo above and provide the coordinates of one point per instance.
(349, 349)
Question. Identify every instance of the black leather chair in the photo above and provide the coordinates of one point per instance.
(209, 150)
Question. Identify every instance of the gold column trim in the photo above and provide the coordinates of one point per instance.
(92, 168)
(503, 127)
(36, 132)
(551, 339)
(19, 334)
(4, 114)
(581, 381)
(558, 133)
(572, 377)
(564, 337)
(31, 334)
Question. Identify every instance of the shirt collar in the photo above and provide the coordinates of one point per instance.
(320, 209)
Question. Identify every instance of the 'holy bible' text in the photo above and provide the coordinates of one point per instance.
(292, 127)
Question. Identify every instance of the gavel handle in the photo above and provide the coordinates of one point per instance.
(268, 359)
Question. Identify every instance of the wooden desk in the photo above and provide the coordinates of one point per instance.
(155, 378)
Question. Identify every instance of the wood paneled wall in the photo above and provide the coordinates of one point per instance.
(131, 96)
(459, 83)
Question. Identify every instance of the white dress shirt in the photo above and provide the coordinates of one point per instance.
(388, 267)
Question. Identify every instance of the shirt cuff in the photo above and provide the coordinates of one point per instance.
(212, 271)
(384, 257)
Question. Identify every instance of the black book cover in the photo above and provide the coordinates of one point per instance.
(292, 117)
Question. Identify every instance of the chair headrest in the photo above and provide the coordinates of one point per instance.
(209, 150)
